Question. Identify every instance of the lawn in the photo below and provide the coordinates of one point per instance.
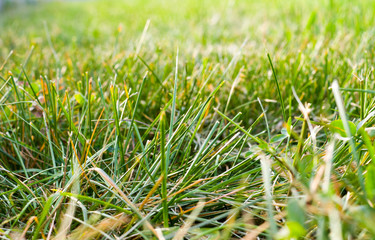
(187, 119)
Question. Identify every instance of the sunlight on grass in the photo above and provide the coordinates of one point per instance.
(187, 119)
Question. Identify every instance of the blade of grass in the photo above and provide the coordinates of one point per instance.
(278, 87)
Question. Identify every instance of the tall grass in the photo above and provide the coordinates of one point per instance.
(187, 120)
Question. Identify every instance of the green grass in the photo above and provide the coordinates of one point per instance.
(187, 120)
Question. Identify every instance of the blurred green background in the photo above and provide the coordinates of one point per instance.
(89, 35)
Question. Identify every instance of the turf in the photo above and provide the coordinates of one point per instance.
(187, 120)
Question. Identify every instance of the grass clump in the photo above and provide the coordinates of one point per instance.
(187, 120)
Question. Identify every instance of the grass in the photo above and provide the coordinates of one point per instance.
(187, 120)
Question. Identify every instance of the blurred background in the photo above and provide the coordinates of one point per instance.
(95, 36)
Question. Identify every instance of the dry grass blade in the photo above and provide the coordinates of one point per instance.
(85, 232)
(70, 211)
(110, 182)
(189, 222)
(254, 234)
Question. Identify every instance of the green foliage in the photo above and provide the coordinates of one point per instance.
(370, 182)
(187, 120)
(337, 126)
